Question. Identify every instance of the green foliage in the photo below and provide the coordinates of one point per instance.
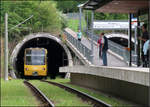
(105, 16)
(144, 18)
(74, 24)
(45, 17)
(69, 6)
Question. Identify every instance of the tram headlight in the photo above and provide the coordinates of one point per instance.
(26, 69)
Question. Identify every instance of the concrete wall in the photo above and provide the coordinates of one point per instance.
(75, 59)
(132, 92)
(129, 83)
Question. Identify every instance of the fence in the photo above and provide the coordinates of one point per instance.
(74, 15)
(116, 48)
(81, 48)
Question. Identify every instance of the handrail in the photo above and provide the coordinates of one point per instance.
(81, 48)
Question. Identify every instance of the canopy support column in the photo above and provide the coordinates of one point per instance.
(92, 49)
(138, 45)
(130, 35)
(149, 39)
(149, 48)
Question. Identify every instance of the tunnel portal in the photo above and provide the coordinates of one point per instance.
(58, 54)
(122, 41)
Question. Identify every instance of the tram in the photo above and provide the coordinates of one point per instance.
(35, 62)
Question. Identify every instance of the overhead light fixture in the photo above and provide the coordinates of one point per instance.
(80, 5)
(90, 7)
(116, 3)
(93, 3)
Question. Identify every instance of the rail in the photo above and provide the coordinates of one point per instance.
(45, 101)
(95, 101)
(80, 47)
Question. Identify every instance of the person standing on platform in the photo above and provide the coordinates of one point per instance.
(99, 46)
(104, 48)
(79, 35)
(144, 38)
(146, 53)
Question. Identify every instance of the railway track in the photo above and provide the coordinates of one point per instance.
(96, 102)
(45, 102)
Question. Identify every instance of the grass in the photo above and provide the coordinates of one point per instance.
(15, 93)
(2, 65)
(108, 99)
(74, 24)
(2, 57)
(59, 96)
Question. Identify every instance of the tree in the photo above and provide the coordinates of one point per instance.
(45, 15)
(69, 6)
(105, 16)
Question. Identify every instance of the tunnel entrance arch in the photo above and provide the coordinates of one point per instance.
(58, 54)
(121, 39)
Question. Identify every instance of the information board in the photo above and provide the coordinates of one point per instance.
(112, 25)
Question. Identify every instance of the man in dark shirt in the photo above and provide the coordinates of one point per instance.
(144, 38)
(104, 47)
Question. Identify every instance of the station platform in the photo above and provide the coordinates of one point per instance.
(112, 59)
(128, 83)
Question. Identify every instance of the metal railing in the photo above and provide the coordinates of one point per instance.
(74, 15)
(80, 47)
(116, 48)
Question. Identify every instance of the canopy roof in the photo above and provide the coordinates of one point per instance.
(117, 6)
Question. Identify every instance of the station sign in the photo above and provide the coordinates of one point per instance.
(112, 25)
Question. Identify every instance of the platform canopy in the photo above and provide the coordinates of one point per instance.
(117, 6)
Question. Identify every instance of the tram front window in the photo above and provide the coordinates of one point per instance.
(35, 57)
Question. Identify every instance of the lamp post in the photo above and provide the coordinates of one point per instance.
(6, 47)
(87, 24)
(80, 14)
